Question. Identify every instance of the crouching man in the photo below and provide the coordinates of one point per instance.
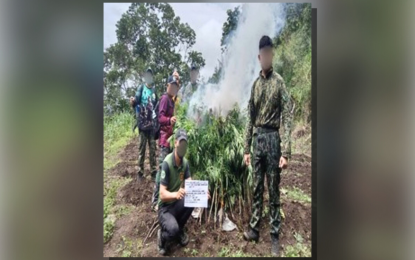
(172, 214)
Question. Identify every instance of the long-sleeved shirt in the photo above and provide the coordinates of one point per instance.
(269, 104)
(166, 110)
(186, 92)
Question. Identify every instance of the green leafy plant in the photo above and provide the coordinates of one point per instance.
(297, 250)
(194, 252)
(215, 153)
(108, 229)
(298, 195)
(224, 252)
(117, 133)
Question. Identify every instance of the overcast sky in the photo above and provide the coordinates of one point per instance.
(206, 19)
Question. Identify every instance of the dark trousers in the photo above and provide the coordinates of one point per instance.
(145, 137)
(265, 160)
(172, 218)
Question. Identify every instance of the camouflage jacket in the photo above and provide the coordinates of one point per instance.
(269, 104)
(187, 92)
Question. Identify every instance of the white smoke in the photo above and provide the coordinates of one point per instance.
(240, 61)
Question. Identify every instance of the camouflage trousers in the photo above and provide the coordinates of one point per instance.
(265, 159)
(164, 151)
(145, 138)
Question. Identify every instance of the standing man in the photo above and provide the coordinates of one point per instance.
(187, 92)
(268, 103)
(145, 95)
(167, 121)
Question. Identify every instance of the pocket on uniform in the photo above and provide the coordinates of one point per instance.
(277, 137)
(272, 143)
(274, 97)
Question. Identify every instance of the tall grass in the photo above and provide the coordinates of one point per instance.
(292, 58)
(117, 133)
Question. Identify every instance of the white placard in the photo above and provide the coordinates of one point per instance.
(196, 194)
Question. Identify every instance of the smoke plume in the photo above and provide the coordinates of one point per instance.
(240, 61)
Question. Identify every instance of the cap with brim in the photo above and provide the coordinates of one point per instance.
(172, 80)
(181, 135)
(149, 70)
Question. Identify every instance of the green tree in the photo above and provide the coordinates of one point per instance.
(214, 79)
(227, 32)
(229, 26)
(148, 35)
(293, 57)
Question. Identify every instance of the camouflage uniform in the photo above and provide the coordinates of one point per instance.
(268, 103)
(143, 96)
(187, 92)
(145, 137)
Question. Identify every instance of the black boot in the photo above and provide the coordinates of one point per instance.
(183, 238)
(251, 235)
(274, 245)
(153, 176)
(154, 206)
(161, 244)
(140, 177)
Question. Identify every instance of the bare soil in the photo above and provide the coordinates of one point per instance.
(205, 239)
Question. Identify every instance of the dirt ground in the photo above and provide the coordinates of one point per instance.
(205, 238)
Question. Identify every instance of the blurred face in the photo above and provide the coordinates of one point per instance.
(193, 75)
(181, 148)
(148, 77)
(172, 89)
(265, 57)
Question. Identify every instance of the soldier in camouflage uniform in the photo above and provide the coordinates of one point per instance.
(186, 92)
(269, 101)
(145, 93)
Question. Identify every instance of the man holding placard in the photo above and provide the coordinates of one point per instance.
(172, 213)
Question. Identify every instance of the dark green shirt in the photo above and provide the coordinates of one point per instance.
(172, 176)
(269, 104)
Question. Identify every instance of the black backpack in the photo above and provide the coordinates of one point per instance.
(145, 120)
(157, 123)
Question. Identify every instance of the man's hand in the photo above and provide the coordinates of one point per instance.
(247, 159)
(180, 194)
(176, 74)
(173, 120)
(208, 195)
(132, 99)
(283, 163)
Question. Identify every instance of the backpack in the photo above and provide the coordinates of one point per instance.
(157, 123)
(147, 119)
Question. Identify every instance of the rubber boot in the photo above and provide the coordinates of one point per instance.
(274, 245)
